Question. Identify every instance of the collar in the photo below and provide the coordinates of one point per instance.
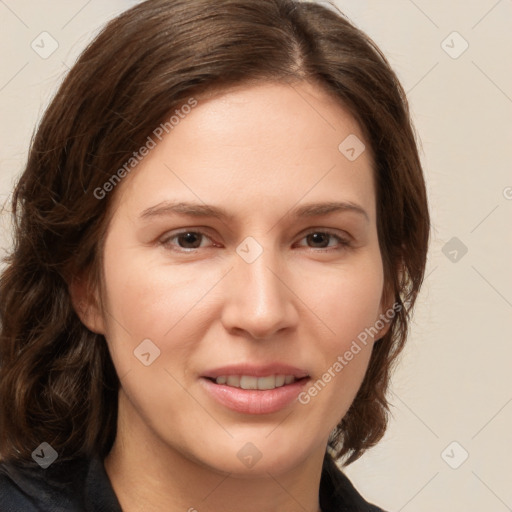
(82, 485)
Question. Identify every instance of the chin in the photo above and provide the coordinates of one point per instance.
(258, 459)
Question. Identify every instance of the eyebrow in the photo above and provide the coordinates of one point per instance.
(167, 208)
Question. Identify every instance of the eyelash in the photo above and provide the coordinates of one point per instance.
(343, 243)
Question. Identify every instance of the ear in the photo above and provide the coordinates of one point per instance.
(86, 304)
(389, 306)
(385, 329)
(387, 312)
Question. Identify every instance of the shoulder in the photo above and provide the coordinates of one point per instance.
(80, 485)
(338, 494)
(27, 487)
(12, 497)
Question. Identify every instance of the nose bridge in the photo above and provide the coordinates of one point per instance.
(263, 287)
(258, 302)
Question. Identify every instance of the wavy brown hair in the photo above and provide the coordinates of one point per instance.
(57, 380)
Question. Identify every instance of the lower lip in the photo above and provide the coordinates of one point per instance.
(253, 401)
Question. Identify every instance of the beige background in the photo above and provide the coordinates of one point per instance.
(454, 380)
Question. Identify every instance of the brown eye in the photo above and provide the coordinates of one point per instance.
(188, 239)
(325, 240)
(319, 238)
(185, 240)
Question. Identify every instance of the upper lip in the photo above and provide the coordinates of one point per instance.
(256, 371)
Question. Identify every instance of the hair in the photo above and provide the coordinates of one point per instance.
(57, 380)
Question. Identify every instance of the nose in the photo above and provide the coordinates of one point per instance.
(259, 302)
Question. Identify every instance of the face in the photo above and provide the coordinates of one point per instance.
(255, 273)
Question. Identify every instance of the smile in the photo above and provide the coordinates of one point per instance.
(251, 382)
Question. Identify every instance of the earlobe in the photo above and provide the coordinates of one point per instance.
(386, 314)
(385, 329)
(86, 305)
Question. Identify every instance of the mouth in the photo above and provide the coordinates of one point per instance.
(251, 395)
(250, 382)
(247, 388)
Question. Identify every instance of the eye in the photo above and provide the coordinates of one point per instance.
(187, 240)
(190, 240)
(320, 240)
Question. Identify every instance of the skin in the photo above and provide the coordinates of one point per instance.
(258, 151)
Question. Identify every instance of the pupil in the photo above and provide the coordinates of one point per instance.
(189, 237)
(317, 237)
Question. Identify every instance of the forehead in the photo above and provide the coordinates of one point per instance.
(269, 106)
(272, 141)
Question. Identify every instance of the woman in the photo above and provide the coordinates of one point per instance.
(220, 234)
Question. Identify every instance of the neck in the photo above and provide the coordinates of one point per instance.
(154, 477)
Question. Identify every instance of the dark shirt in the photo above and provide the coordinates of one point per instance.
(83, 486)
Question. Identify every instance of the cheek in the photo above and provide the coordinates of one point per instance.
(350, 310)
(346, 300)
(146, 300)
(152, 300)
(346, 303)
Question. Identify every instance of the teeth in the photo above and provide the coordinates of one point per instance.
(280, 380)
(233, 380)
(250, 382)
